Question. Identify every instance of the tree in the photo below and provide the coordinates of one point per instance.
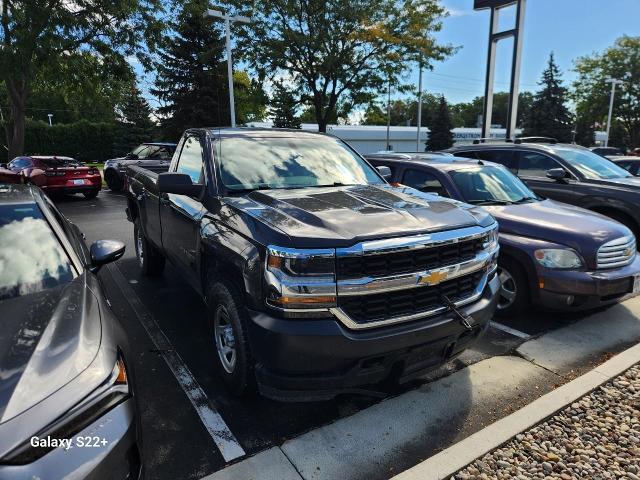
(250, 98)
(35, 34)
(592, 92)
(549, 115)
(191, 76)
(374, 115)
(440, 135)
(136, 126)
(469, 114)
(343, 50)
(284, 107)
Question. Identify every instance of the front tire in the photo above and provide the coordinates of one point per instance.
(228, 322)
(114, 182)
(151, 261)
(514, 289)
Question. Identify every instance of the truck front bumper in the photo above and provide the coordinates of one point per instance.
(317, 359)
(581, 290)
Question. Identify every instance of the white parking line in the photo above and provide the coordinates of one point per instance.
(512, 331)
(213, 422)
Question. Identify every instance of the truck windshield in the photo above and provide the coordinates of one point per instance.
(491, 185)
(591, 165)
(31, 258)
(248, 163)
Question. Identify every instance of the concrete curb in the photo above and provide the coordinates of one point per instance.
(456, 457)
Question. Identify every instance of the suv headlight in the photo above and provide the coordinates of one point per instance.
(560, 258)
(300, 279)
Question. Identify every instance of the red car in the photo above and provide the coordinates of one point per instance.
(53, 175)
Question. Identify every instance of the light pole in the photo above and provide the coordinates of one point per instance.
(50, 115)
(227, 26)
(388, 116)
(613, 83)
(419, 106)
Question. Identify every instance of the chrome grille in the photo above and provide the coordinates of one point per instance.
(617, 253)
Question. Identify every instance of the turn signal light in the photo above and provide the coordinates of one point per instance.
(304, 300)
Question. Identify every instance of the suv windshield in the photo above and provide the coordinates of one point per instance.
(248, 163)
(491, 185)
(591, 165)
(31, 258)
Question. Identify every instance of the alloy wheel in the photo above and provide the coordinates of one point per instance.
(508, 289)
(225, 339)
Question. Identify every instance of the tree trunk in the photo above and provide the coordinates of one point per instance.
(16, 125)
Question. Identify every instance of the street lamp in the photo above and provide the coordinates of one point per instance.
(227, 26)
(419, 107)
(50, 115)
(613, 83)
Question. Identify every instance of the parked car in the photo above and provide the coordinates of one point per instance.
(54, 175)
(319, 277)
(552, 255)
(634, 152)
(607, 152)
(64, 375)
(569, 174)
(153, 156)
(630, 163)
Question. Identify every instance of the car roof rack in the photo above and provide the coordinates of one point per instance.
(478, 141)
(535, 140)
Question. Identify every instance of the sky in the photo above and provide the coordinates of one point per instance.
(569, 28)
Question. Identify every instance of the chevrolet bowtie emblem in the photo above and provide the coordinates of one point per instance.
(433, 278)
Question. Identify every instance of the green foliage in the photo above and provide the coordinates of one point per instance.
(440, 135)
(592, 92)
(374, 115)
(549, 115)
(284, 107)
(191, 76)
(135, 125)
(250, 98)
(83, 140)
(40, 33)
(467, 114)
(343, 50)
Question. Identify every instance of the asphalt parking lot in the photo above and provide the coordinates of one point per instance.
(164, 321)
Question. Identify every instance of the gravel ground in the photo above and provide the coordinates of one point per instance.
(597, 437)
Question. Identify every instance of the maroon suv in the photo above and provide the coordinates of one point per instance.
(53, 175)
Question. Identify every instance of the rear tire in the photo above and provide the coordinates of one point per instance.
(514, 289)
(151, 261)
(114, 182)
(91, 194)
(228, 324)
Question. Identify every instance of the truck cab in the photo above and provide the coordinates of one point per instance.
(319, 277)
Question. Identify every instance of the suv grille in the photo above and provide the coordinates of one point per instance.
(387, 264)
(371, 308)
(617, 253)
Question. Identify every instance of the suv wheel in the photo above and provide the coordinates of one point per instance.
(514, 289)
(114, 182)
(150, 260)
(228, 320)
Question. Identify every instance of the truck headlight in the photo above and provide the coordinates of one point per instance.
(300, 279)
(560, 258)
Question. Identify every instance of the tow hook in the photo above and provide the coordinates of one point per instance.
(465, 319)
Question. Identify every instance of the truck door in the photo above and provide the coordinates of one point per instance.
(533, 167)
(181, 215)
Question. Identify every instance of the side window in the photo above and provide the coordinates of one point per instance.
(423, 181)
(20, 162)
(143, 153)
(503, 157)
(533, 164)
(191, 161)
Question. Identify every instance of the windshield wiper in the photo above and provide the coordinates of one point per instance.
(334, 184)
(490, 202)
(262, 186)
(526, 199)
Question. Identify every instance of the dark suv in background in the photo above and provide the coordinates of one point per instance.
(152, 156)
(567, 173)
(552, 255)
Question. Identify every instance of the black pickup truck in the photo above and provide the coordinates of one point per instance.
(319, 277)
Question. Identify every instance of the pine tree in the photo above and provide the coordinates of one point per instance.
(440, 135)
(549, 115)
(284, 106)
(192, 77)
(135, 124)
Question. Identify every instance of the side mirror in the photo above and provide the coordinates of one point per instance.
(105, 251)
(557, 174)
(179, 184)
(385, 172)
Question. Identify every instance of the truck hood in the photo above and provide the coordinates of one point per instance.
(46, 340)
(555, 222)
(346, 215)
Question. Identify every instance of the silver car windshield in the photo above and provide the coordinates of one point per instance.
(491, 185)
(591, 165)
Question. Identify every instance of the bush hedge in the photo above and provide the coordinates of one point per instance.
(84, 140)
